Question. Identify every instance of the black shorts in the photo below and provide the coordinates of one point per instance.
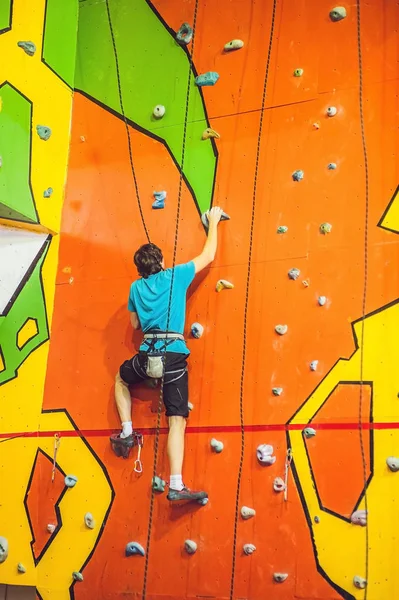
(175, 389)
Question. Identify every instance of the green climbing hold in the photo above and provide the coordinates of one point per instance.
(325, 228)
(158, 484)
(338, 13)
(282, 229)
(43, 132)
(28, 47)
(298, 72)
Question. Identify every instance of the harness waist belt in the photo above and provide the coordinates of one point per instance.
(164, 336)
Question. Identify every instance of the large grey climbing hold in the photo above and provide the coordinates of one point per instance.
(3, 549)
(249, 549)
(279, 484)
(28, 47)
(185, 34)
(309, 432)
(77, 576)
(133, 549)
(159, 201)
(282, 229)
(277, 391)
(43, 132)
(209, 78)
(50, 527)
(294, 273)
(89, 520)
(298, 175)
(281, 329)
(332, 166)
(298, 72)
(280, 577)
(190, 546)
(247, 512)
(313, 365)
(359, 517)
(393, 463)
(21, 568)
(359, 582)
(70, 480)
(159, 111)
(205, 222)
(331, 111)
(158, 484)
(325, 228)
(322, 300)
(216, 445)
(233, 45)
(47, 193)
(338, 13)
(264, 452)
(197, 330)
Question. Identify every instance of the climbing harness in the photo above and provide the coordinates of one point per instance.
(138, 465)
(246, 305)
(57, 442)
(156, 358)
(288, 460)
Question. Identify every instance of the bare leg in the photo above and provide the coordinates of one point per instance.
(123, 399)
(177, 427)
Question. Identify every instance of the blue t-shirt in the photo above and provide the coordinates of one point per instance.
(149, 298)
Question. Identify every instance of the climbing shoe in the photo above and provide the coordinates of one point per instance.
(122, 446)
(185, 494)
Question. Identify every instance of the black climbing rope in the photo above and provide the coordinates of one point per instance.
(365, 285)
(129, 143)
(179, 195)
(247, 289)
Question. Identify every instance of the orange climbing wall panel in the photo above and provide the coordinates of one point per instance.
(101, 228)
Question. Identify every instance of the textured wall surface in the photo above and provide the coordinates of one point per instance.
(66, 368)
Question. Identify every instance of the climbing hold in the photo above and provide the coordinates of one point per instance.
(298, 175)
(322, 300)
(185, 34)
(197, 330)
(338, 13)
(233, 45)
(313, 365)
(264, 453)
(359, 582)
(50, 528)
(77, 576)
(359, 517)
(82, 138)
(393, 463)
(278, 484)
(190, 406)
(332, 166)
(43, 132)
(210, 133)
(316, 125)
(309, 432)
(209, 78)
(216, 445)
(190, 547)
(70, 480)
(133, 548)
(247, 513)
(3, 549)
(316, 519)
(306, 283)
(277, 391)
(203, 501)
(222, 284)
(158, 484)
(160, 198)
(280, 577)
(47, 193)
(294, 273)
(205, 222)
(28, 47)
(249, 549)
(89, 520)
(331, 111)
(281, 329)
(325, 228)
(159, 111)
(282, 229)
(21, 568)
(298, 72)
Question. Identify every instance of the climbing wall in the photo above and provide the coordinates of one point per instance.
(300, 355)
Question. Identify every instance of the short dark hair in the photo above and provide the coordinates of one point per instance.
(148, 259)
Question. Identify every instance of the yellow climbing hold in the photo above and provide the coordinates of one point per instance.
(222, 284)
(210, 133)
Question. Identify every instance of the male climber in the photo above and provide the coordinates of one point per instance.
(149, 308)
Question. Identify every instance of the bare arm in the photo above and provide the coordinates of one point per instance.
(209, 250)
(135, 320)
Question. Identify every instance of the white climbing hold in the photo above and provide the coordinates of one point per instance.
(332, 166)
(309, 432)
(50, 527)
(89, 521)
(216, 445)
(249, 549)
(359, 517)
(281, 329)
(3, 549)
(331, 111)
(233, 45)
(280, 577)
(278, 484)
(77, 576)
(393, 463)
(359, 582)
(325, 228)
(322, 300)
(190, 406)
(205, 221)
(210, 133)
(313, 365)
(247, 513)
(203, 501)
(222, 284)
(190, 546)
(316, 125)
(134, 548)
(21, 568)
(294, 273)
(277, 391)
(264, 453)
(197, 330)
(338, 13)
(159, 111)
